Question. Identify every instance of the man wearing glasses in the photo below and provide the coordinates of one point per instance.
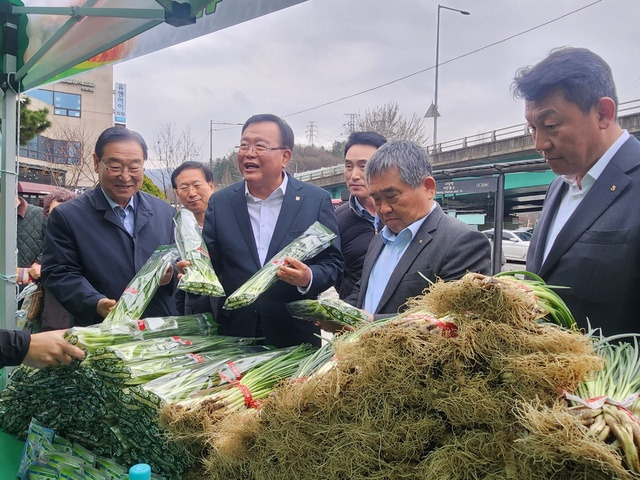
(97, 242)
(419, 243)
(247, 223)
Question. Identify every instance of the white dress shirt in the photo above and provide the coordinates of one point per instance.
(574, 194)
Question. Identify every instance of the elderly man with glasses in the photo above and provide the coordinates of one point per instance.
(96, 243)
(247, 223)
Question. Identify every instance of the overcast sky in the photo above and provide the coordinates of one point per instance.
(320, 51)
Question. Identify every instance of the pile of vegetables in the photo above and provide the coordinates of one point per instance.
(134, 368)
(466, 384)
(110, 401)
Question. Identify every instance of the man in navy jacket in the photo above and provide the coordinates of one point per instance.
(97, 242)
(247, 223)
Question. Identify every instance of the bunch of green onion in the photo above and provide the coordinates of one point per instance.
(331, 310)
(548, 300)
(143, 286)
(199, 277)
(313, 240)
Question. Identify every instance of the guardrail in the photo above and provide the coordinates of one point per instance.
(631, 107)
(624, 109)
(320, 173)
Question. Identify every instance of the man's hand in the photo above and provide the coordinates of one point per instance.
(105, 305)
(34, 271)
(168, 275)
(180, 266)
(294, 272)
(51, 349)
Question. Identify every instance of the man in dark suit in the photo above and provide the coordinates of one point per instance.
(588, 235)
(357, 220)
(96, 243)
(247, 223)
(419, 242)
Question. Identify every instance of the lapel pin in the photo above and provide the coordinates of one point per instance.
(297, 199)
(420, 241)
(613, 188)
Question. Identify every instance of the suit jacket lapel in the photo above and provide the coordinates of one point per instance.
(100, 203)
(241, 213)
(604, 191)
(418, 243)
(143, 213)
(288, 212)
(542, 229)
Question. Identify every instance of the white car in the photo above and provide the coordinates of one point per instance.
(515, 244)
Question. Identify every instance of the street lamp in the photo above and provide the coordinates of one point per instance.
(433, 108)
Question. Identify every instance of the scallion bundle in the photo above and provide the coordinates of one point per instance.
(312, 241)
(199, 277)
(331, 310)
(141, 289)
(556, 310)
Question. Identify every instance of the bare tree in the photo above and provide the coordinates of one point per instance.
(170, 148)
(388, 121)
(73, 147)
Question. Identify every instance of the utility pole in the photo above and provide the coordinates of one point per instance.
(351, 124)
(211, 144)
(311, 132)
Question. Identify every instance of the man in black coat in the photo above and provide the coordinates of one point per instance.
(96, 243)
(357, 220)
(247, 223)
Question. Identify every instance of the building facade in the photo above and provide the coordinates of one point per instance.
(80, 108)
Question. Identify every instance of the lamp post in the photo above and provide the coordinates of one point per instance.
(433, 109)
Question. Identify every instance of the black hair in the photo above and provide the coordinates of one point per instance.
(206, 171)
(580, 74)
(286, 133)
(364, 138)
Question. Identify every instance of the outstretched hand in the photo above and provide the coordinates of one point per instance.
(51, 349)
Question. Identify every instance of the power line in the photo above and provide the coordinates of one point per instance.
(391, 82)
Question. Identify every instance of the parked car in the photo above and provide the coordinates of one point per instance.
(515, 244)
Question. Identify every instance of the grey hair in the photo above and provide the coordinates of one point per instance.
(411, 160)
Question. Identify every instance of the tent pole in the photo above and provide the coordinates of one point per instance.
(8, 180)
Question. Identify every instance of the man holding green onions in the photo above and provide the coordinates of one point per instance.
(97, 242)
(249, 222)
(588, 234)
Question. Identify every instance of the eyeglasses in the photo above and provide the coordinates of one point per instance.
(185, 188)
(258, 148)
(116, 169)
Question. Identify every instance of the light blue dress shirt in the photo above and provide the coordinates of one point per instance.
(394, 248)
(126, 215)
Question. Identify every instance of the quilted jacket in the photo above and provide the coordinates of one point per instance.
(31, 228)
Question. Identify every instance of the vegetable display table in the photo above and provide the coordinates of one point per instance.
(10, 452)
